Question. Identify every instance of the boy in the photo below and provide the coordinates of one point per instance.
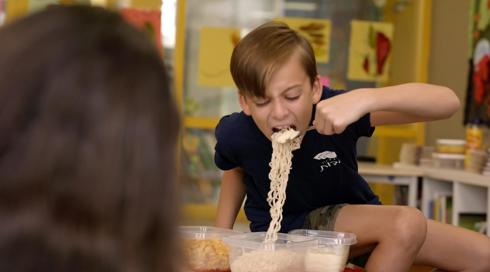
(275, 71)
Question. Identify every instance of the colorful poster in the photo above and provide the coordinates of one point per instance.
(147, 20)
(316, 31)
(370, 51)
(477, 109)
(215, 48)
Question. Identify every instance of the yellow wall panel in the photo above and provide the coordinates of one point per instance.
(410, 56)
(147, 4)
(16, 9)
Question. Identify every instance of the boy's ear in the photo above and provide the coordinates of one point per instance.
(244, 104)
(317, 90)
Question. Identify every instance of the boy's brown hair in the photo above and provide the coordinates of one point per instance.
(261, 52)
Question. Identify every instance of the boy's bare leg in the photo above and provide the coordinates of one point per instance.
(394, 233)
(454, 249)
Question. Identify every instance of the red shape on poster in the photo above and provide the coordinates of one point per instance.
(147, 20)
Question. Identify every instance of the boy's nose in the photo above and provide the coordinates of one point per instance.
(279, 112)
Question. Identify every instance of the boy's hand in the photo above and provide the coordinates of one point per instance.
(333, 115)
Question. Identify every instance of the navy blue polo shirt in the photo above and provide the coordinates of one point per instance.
(324, 169)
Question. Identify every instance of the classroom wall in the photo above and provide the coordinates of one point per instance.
(448, 62)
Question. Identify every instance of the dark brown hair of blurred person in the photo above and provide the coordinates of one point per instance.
(88, 131)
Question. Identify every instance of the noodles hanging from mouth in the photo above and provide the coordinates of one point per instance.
(283, 144)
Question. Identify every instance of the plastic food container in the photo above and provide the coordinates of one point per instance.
(448, 161)
(453, 146)
(332, 251)
(475, 159)
(205, 249)
(249, 253)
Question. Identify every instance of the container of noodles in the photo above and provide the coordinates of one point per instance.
(332, 251)
(204, 248)
(249, 252)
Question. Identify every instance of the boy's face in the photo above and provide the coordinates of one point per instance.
(288, 100)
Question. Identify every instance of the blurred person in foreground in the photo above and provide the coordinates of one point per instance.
(88, 131)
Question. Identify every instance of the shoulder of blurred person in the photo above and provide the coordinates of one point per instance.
(88, 129)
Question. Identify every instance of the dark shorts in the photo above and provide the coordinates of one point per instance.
(324, 219)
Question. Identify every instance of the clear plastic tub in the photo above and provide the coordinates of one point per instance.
(249, 252)
(332, 251)
(204, 248)
(448, 161)
(453, 146)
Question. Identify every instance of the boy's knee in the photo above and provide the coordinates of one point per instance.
(485, 257)
(410, 227)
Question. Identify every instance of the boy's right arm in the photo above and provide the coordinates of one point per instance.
(230, 198)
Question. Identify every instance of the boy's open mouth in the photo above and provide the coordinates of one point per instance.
(277, 129)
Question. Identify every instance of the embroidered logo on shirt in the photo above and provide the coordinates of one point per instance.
(327, 159)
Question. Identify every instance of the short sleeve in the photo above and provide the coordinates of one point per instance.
(363, 126)
(223, 155)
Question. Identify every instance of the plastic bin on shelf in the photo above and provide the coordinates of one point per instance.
(453, 146)
(204, 248)
(332, 251)
(250, 253)
(448, 161)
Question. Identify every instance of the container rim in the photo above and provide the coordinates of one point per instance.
(449, 156)
(451, 141)
(331, 237)
(205, 232)
(255, 240)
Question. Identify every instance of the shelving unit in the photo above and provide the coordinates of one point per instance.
(430, 188)
(375, 173)
(470, 192)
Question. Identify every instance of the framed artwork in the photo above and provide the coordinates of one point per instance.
(149, 21)
(369, 50)
(477, 108)
(316, 31)
(215, 48)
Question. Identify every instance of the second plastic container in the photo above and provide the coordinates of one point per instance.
(249, 252)
(331, 252)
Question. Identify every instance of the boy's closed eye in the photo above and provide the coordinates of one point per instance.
(292, 97)
(293, 94)
(260, 102)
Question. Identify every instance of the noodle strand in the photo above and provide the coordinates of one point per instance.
(282, 154)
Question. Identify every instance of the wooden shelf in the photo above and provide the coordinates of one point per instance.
(446, 174)
(470, 191)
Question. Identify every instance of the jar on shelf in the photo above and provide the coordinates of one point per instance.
(475, 156)
(450, 146)
(474, 135)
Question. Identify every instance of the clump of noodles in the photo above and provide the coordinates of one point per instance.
(283, 144)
